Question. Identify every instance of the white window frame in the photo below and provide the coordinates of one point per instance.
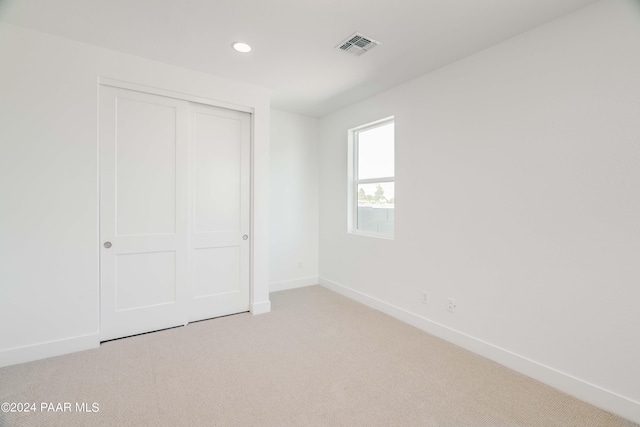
(353, 181)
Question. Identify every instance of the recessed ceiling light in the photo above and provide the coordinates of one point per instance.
(242, 47)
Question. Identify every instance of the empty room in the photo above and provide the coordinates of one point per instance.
(319, 213)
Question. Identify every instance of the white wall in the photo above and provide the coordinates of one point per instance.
(49, 188)
(293, 246)
(517, 194)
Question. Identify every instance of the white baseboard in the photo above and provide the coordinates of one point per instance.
(573, 386)
(261, 307)
(292, 284)
(44, 350)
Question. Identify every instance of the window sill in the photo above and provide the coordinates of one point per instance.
(371, 234)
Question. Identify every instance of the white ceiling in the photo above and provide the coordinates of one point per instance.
(293, 40)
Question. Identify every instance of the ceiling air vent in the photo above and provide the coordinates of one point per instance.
(357, 44)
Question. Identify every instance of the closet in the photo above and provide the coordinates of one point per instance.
(174, 211)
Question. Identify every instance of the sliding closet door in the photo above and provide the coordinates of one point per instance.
(143, 212)
(219, 212)
(174, 212)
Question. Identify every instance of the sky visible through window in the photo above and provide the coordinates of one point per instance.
(376, 158)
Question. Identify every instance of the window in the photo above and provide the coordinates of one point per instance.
(372, 179)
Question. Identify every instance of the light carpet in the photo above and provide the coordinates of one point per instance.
(318, 359)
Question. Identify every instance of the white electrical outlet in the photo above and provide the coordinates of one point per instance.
(425, 297)
(452, 305)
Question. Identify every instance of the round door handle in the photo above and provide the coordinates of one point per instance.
(107, 245)
(245, 237)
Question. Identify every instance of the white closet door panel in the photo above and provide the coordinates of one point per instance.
(145, 167)
(143, 212)
(217, 171)
(221, 144)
